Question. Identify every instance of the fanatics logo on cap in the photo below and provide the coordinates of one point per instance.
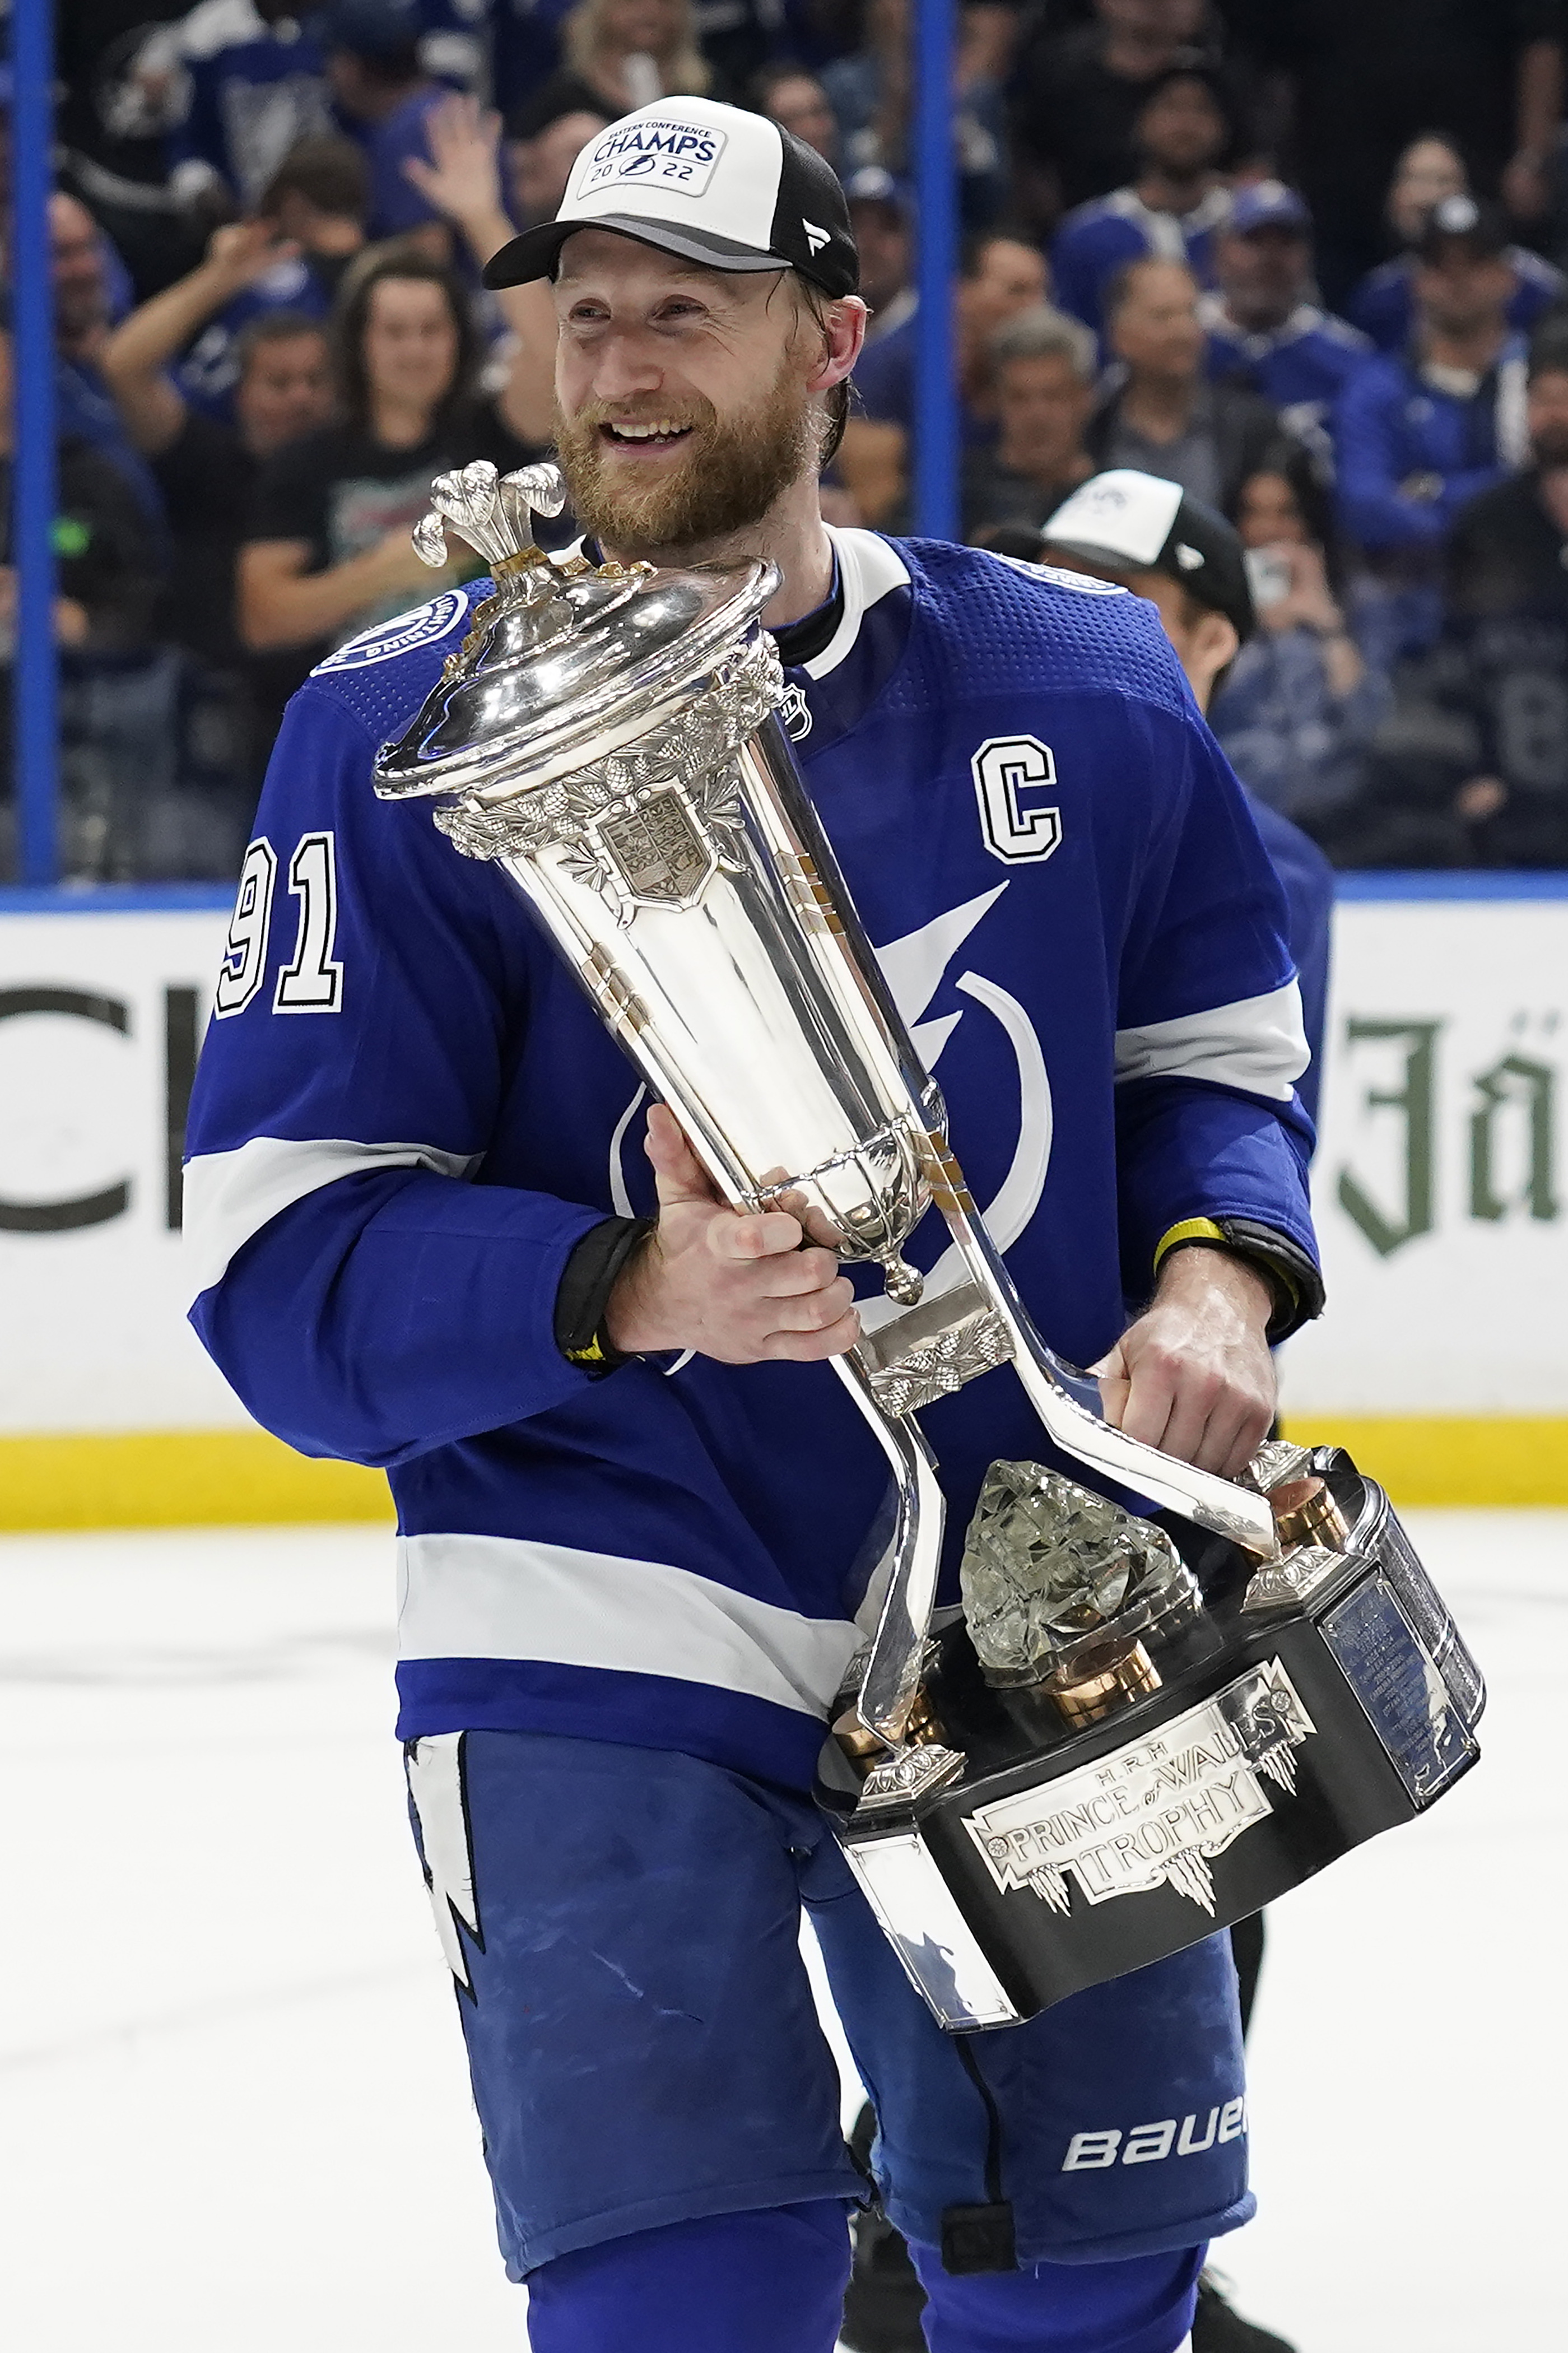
(679, 156)
(816, 237)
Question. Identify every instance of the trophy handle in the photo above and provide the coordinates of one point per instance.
(1067, 1400)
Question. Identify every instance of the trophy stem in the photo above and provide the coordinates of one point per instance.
(892, 1675)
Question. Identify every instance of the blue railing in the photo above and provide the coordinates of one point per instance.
(936, 388)
(35, 674)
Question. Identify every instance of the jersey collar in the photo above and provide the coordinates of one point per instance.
(869, 568)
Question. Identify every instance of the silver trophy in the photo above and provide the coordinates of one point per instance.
(609, 735)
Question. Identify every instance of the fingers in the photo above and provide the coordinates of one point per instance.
(678, 1175)
(813, 1311)
(816, 1221)
(1150, 1396)
(814, 1348)
(1115, 1383)
(771, 1234)
(1233, 1436)
(1205, 1404)
(1196, 1413)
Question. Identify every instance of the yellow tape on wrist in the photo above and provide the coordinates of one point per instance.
(1191, 1230)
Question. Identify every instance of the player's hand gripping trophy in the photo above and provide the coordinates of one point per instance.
(1194, 1704)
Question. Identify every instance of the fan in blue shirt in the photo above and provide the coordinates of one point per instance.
(1421, 433)
(256, 87)
(1383, 304)
(1171, 208)
(1263, 329)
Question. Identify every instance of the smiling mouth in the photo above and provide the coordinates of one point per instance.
(652, 433)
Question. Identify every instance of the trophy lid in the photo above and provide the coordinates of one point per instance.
(567, 661)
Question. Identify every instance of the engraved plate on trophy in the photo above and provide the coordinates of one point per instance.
(1398, 1683)
(1156, 1813)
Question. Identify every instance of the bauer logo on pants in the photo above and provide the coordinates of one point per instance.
(1194, 2136)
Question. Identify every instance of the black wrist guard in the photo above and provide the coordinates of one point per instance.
(587, 1282)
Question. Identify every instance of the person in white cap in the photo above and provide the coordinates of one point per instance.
(639, 1513)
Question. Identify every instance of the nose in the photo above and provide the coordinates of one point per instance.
(623, 366)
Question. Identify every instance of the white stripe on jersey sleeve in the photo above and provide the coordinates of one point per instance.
(1257, 1044)
(479, 1596)
(230, 1196)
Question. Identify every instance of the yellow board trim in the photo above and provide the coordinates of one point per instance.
(1475, 1459)
(177, 1477)
(184, 1478)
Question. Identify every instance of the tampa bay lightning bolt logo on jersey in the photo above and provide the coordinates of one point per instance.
(405, 634)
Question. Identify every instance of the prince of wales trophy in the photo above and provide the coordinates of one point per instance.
(1136, 1727)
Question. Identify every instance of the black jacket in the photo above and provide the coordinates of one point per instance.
(1248, 435)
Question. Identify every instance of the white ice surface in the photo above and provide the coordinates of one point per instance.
(233, 2112)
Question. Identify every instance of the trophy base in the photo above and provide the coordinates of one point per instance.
(1310, 1705)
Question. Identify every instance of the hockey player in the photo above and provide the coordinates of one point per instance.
(636, 1509)
(1165, 544)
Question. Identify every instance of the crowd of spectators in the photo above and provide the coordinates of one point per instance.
(1301, 257)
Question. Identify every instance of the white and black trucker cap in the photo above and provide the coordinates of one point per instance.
(717, 185)
(1125, 521)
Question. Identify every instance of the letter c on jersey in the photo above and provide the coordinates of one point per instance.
(86, 1209)
(1004, 768)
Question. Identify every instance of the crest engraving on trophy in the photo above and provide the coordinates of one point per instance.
(657, 854)
(1156, 1813)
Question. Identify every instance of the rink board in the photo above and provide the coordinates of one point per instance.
(1440, 1189)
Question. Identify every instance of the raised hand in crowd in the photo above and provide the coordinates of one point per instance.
(136, 357)
(463, 181)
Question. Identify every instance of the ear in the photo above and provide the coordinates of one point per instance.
(1212, 645)
(843, 334)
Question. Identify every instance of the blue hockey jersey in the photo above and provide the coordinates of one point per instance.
(1400, 424)
(1100, 238)
(1383, 305)
(253, 94)
(406, 1115)
(1302, 367)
